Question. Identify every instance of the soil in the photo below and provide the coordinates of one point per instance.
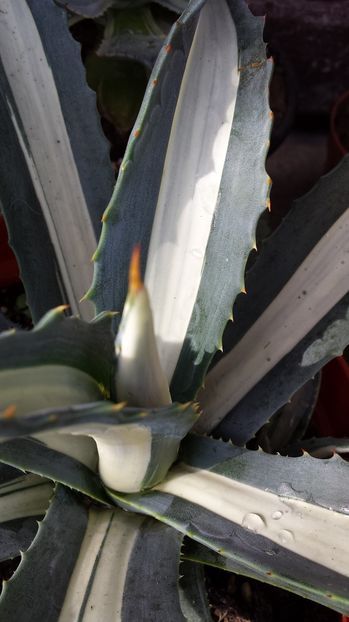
(234, 598)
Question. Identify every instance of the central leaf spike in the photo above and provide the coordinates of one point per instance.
(135, 282)
(140, 379)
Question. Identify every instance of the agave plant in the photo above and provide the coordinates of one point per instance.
(102, 438)
(120, 50)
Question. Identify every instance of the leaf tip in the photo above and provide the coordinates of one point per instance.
(119, 406)
(135, 282)
(9, 411)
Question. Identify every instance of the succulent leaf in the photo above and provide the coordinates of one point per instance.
(135, 448)
(193, 595)
(133, 34)
(289, 424)
(44, 386)
(102, 552)
(158, 193)
(284, 519)
(53, 207)
(95, 8)
(28, 454)
(23, 499)
(298, 319)
(324, 447)
(140, 379)
(61, 342)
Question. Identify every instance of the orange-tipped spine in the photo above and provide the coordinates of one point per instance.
(135, 282)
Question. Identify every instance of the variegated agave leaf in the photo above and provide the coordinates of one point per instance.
(291, 323)
(125, 568)
(282, 520)
(54, 169)
(133, 448)
(23, 499)
(63, 361)
(186, 192)
(29, 454)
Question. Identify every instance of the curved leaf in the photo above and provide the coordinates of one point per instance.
(65, 178)
(323, 447)
(22, 499)
(284, 519)
(140, 379)
(135, 448)
(192, 210)
(294, 318)
(30, 455)
(62, 341)
(193, 595)
(93, 564)
(289, 424)
(38, 587)
(45, 386)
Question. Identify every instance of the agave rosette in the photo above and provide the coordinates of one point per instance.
(104, 408)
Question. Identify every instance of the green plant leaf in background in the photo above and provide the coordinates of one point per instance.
(95, 8)
(54, 169)
(193, 194)
(118, 105)
(134, 34)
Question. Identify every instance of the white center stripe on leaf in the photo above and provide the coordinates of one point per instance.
(111, 536)
(191, 178)
(313, 532)
(313, 290)
(44, 139)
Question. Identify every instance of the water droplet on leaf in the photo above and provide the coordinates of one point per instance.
(253, 522)
(286, 536)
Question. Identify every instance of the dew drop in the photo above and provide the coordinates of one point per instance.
(253, 522)
(285, 536)
(277, 515)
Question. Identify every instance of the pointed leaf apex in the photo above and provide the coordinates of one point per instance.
(9, 411)
(135, 282)
(61, 308)
(119, 406)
